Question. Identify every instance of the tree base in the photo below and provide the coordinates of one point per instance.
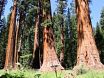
(99, 66)
(82, 69)
(51, 67)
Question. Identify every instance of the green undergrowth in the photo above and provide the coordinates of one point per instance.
(30, 74)
(36, 74)
(92, 74)
(17, 74)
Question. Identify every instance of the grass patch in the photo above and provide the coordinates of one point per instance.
(17, 74)
(30, 74)
(36, 74)
(92, 74)
(52, 75)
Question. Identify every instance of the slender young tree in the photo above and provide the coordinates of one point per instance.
(11, 39)
(36, 43)
(50, 60)
(21, 18)
(67, 55)
(26, 11)
(15, 51)
(36, 50)
(87, 53)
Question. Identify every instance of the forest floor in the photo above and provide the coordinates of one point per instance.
(62, 74)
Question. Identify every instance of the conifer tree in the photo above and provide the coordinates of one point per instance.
(9, 61)
(50, 60)
(99, 37)
(87, 52)
(37, 36)
(61, 11)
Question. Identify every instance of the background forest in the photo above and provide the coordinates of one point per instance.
(31, 37)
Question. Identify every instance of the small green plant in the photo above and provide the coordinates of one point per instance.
(26, 73)
(8, 75)
(82, 70)
(37, 75)
(47, 23)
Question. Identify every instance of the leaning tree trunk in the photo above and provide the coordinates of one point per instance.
(36, 54)
(11, 39)
(36, 61)
(50, 60)
(87, 53)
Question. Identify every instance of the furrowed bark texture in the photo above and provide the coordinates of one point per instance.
(87, 53)
(50, 60)
(11, 39)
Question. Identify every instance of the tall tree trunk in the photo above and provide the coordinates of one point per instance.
(19, 47)
(16, 43)
(20, 22)
(1, 7)
(50, 60)
(36, 60)
(37, 50)
(11, 39)
(62, 42)
(87, 53)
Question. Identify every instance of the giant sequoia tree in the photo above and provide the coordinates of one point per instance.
(50, 59)
(87, 53)
(9, 61)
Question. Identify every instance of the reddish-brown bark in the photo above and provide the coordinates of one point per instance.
(11, 39)
(50, 60)
(87, 53)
